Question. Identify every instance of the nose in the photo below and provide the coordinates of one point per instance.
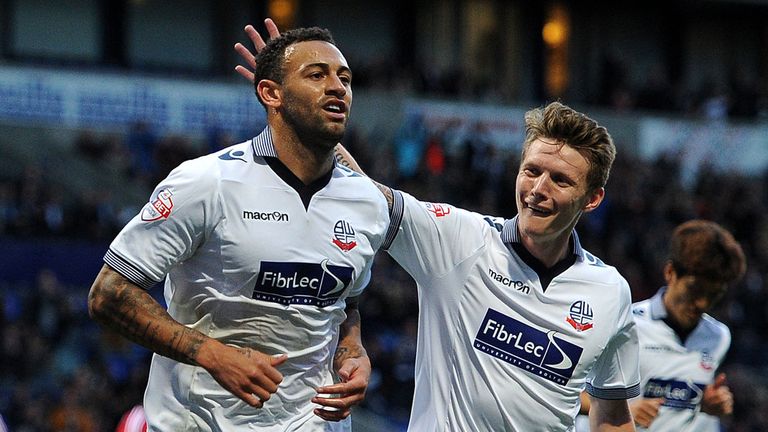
(336, 86)
(540, 185)
(702, 303)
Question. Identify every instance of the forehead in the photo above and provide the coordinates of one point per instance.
(692, 288)
(306, 53)
(551, 154)
(702, 284)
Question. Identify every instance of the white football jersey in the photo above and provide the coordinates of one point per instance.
(249, 265)
(495, 351)
(678, 371)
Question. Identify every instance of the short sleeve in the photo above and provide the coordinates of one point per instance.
(725, 343)
(433, 238)
(363, 282)
(180, 213)
(616, 374)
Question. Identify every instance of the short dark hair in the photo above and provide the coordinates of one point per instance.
(705, 249)
(270, 61)
(573, 129)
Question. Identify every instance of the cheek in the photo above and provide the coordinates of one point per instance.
(522, 185)
(678, 299)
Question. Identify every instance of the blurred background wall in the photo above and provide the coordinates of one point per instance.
(99, 100)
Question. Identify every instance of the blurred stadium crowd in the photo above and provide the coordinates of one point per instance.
(736, 97)
(60, 372)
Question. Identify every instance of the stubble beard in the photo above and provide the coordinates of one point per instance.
(313, 132)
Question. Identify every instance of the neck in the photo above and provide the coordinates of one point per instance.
(307, 160)
(548, 252)
(672, 321)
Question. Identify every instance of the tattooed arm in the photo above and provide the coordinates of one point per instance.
(352, 365)
(126, 308)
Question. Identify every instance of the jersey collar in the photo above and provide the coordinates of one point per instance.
(509, 234)
(657, 309)
(688, 338)
(262, 144)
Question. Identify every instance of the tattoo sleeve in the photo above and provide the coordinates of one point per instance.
(128, 309)
(350, 338)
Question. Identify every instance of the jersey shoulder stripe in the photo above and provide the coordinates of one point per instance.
(395, 218)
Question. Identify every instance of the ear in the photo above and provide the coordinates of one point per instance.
(594, 199)
(669, 273)
(270, 93)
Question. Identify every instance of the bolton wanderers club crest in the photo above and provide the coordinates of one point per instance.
(580, 316)
(344, 236)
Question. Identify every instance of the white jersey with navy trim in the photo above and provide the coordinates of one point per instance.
(495, 351)
(249, 265)
(678, 371)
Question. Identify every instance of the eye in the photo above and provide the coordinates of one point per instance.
(530, 171)
(317, 75)
(346, 79)
(562, 181)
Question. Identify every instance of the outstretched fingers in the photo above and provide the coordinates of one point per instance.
(258, 44)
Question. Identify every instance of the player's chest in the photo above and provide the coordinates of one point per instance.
(665, 362)
(549, 334)
(273, 224)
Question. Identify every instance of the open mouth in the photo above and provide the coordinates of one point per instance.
(337, 109)
(538, 210)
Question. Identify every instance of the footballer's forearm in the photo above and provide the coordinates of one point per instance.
(610, 416)
(128, 309)
(350, 336)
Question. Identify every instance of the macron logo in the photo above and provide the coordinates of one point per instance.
(517, 285)
(274, 216)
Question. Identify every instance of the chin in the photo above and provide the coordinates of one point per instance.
(335, 133)
(530, 226)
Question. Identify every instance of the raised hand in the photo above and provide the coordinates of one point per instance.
(644, 411)
(717, 399)
(258, 43)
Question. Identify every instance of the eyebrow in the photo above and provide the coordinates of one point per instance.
(553, 172)
(327, 66)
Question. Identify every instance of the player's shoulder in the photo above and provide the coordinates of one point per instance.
(642, 310)
(213, 163)
(468, 221)
(713, 327)
(593, 261)
(598, 269)
(240, 153)
(347, 172)
(595, 272)
(201, 173)
(343, 175)
(347, 185)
